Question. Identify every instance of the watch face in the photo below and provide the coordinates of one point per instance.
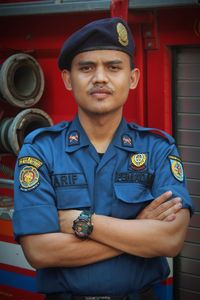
(81, 229)
(82, 226)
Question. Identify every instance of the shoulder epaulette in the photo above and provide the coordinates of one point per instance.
(157, 131)
(29, 139)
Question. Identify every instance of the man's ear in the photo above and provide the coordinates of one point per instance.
(66, 76)
(134, 78)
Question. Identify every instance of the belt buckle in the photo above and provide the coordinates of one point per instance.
(97, 298)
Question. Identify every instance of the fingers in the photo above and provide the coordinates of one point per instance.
(163, 208)
(167, 210)
(161, 199)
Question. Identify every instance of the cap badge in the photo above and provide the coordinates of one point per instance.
(122, 34)
(176, 167)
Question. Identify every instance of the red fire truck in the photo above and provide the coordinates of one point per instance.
(167, 36)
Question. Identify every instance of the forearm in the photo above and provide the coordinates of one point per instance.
(63, 250)
(147, 238)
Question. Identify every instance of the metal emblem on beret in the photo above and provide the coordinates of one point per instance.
(138, 161)
(122, 34)
(176, 167)
(29, 178)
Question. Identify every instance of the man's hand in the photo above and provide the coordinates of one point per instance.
(66, 218)
(162, 208)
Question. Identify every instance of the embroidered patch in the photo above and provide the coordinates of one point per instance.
(138, 161)
(28, 160)
(29, 178)
(127, 140)
(176, 167)
(122, 34)
(73, 138)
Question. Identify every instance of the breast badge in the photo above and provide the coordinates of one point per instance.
(138, 161)
(29, 178)
(176, 167)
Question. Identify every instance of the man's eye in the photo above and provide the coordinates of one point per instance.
(114, 68)
(86, 68)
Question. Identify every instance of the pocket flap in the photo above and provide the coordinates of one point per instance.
(132, 192)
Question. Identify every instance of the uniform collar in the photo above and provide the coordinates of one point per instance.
(76, 137)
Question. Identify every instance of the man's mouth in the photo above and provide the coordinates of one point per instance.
(100, 93)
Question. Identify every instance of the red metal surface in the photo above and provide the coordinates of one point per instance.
(8, 293)
(119, 8)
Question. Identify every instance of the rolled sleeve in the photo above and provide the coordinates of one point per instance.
(44, 220)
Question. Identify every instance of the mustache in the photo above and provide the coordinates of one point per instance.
(100, 89)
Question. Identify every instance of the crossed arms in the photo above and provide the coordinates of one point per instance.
(159, 230)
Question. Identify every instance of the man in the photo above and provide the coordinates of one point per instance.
(99, 202)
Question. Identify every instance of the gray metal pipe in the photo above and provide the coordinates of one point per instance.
(14, 130)
(21, 80)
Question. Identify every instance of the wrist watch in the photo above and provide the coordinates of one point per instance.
(83, 226)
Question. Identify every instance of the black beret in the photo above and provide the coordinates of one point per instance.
(110, 34)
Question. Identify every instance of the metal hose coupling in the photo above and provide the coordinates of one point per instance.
(14, 130)
(21, 80)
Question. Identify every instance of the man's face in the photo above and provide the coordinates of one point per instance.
(100, 80)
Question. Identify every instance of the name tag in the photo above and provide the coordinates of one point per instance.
(69, 179)
(130, 177)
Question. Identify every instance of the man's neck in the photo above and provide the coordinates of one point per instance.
(100, 128)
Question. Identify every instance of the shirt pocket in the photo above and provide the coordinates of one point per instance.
(130, 199)
(73, 198)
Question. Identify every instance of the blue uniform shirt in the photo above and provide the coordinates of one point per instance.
(59, 168)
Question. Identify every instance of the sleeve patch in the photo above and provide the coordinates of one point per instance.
(29, 178)
(176, 167)
(28, 160)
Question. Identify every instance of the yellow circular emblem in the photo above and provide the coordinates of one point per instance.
(29, 178)
(122, 34)
(177, 170)
(138, 160)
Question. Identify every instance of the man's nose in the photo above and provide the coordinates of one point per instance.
(100, 75)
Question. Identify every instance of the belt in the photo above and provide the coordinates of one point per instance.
(145, 295)
(99, 298)
(64, 296)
